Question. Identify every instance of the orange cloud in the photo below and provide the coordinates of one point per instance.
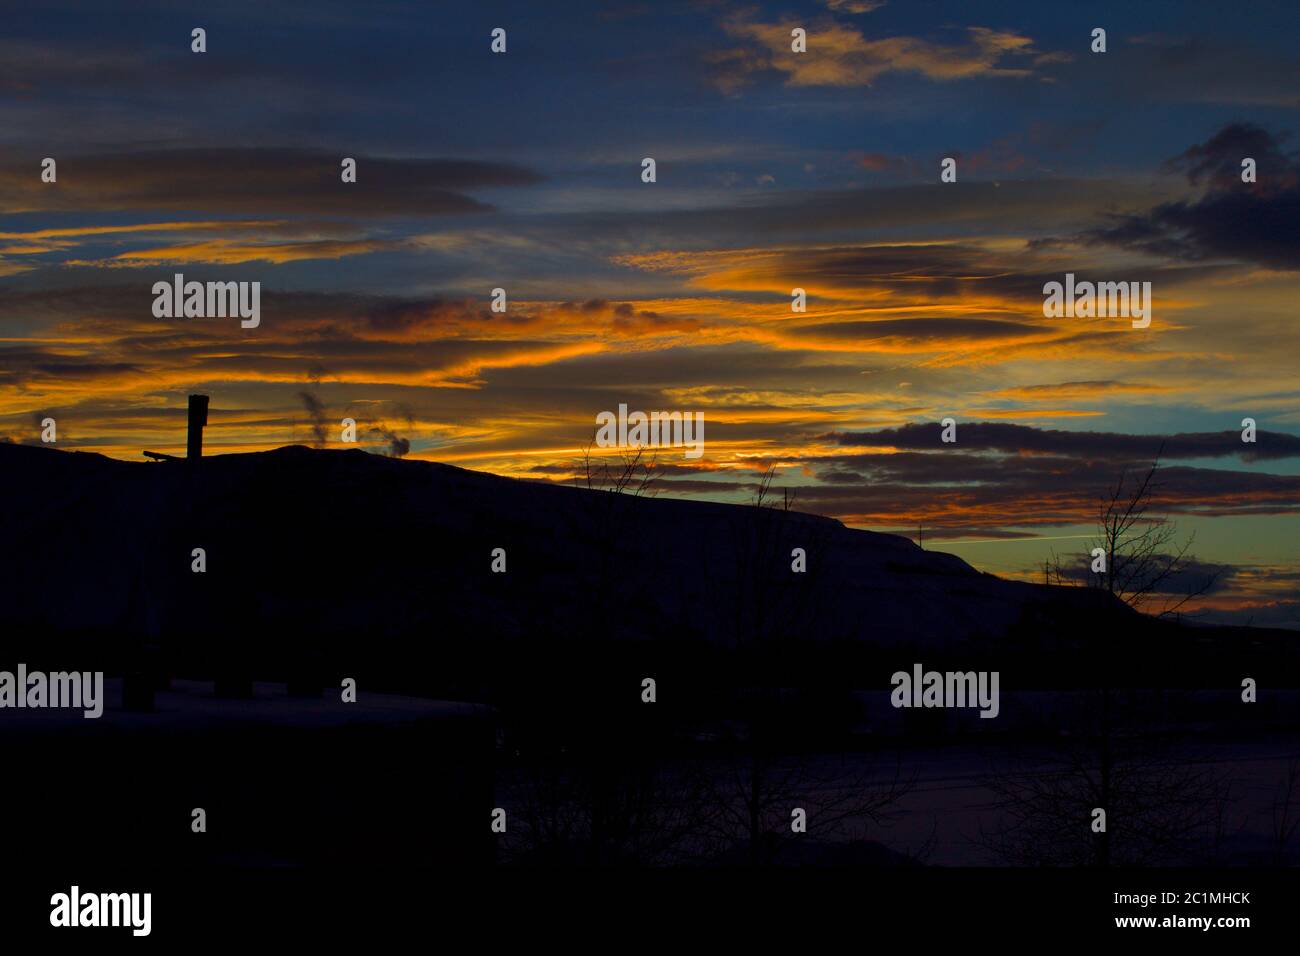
(230, 252)
(1076, 390)
(840, 55)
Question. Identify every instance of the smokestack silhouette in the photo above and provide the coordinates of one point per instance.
(198, 418)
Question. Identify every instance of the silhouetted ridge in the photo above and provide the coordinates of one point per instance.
(316, 555)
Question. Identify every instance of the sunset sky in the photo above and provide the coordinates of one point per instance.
(775, 170)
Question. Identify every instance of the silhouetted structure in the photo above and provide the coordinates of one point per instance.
(198, 419)
(194, 438)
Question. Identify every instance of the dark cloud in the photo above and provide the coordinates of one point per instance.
(918, 329)
(259, 181)
(1188, 576)
(1014, 207)
(1013, 492)
(1272, 614)
(402, 315)
(1217, 68)
(1000, 479)
(1110, 446)
(1217, 161)
(902, 273)
(1247, 222)
(1012, 475)
(22, 366)
(664, 469)
(43, 71)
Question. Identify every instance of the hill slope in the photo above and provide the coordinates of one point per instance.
(322, 552)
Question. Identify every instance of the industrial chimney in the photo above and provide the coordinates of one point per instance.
(198, 418)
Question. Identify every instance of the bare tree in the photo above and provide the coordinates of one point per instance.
(769, 603)
(1286, 812)
(1141, 549)
(767, 772)
(1143, 556)
(1165, 804)
(1157, 806)
(633, 474)
(746, 801)
(600, 808)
